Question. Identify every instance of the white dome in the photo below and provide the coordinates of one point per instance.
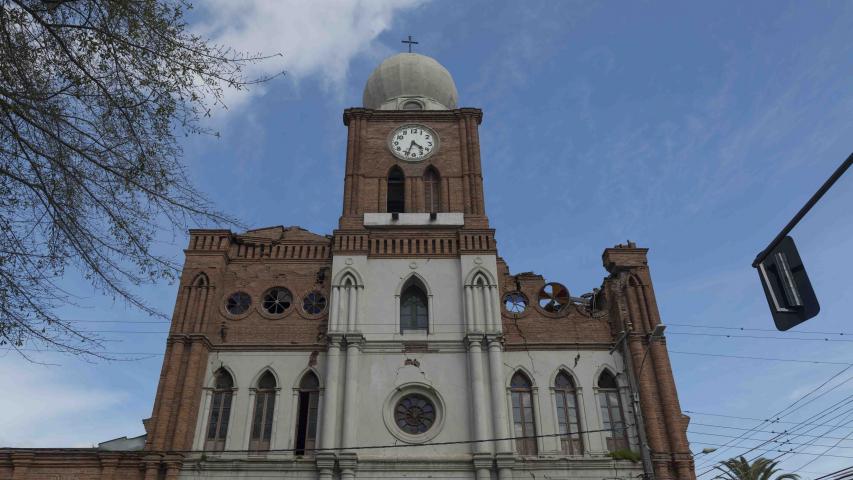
(408, 80)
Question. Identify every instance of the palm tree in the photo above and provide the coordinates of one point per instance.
(761, 469)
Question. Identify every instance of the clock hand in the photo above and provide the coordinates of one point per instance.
(410, 147)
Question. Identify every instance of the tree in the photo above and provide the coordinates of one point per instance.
(761, 469)
(92, 93)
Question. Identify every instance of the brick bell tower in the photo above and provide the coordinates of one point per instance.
(291, 351)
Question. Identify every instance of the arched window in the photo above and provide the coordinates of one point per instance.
(264, 413)
(611, 412)
(414, 310)
(522, 414)
(432, 190)
(568, 414)
(220, 411)
(306, 423)
(396, 190)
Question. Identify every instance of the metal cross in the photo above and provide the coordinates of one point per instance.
(410, 42)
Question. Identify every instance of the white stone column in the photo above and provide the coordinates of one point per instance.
(479, 405)
(487, 309)
(330, 405)
(496, 316)
(350, 414)
(470, 322)
(480, 319)
(499, 410)
(249, 413)
(352, 309)
(334, 308)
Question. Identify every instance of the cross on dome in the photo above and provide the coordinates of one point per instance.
(410, 42)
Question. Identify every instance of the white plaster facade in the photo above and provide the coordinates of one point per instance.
(463, 367)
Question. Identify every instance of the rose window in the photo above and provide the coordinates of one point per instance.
(515, 302)
(314, 303)
(277, 300)
(238, 303)
(414, 414)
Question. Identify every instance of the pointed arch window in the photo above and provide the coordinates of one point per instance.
(220, 411)
(432, 190)
(262, 419)
(414, 309)
(396, 190)
(568, 414)
(306, 423)
(612, 415)
(521, 389)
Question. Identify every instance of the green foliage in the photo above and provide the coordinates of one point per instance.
(625, 454)
(91, 92)
(761, 469)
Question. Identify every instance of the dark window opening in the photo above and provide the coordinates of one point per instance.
(432, 190)
(220, 411)
(414, 310)
(306, 425)
(264, 412)
(522, 414)
(568, 414)
(396, 191)
(611, 412)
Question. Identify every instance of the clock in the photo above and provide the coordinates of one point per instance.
(413, 142)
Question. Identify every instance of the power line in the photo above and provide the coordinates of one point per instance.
(749, 357)
(843, 470)
(712, 425)
(817, 437)
(782, 413)
(773, 330)
(761, 337)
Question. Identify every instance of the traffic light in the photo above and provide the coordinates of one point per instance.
(786, 285)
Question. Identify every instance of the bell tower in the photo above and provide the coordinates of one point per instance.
(429, 175)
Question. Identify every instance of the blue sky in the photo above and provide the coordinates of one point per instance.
(695, 129)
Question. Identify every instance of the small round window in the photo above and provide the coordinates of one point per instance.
(414, 414)
(277, 300)
(515, 302)
(238, 303)
(314, 303)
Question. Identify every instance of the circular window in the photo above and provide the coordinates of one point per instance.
(414, 414)
(553, 297)
(515, 302)
(277, 300)
(314, 303)
(238, 303)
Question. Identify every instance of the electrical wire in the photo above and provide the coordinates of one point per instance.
(782, 413)
(745, 329)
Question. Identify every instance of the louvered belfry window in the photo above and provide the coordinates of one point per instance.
(220, 411)
(306, 424)
(432, 193)
(568, 414)
(522, 414)
(396, 191)
(264, 413)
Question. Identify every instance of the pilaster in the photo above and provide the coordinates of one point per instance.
(496, 380)
(479, 407)
(354, 344)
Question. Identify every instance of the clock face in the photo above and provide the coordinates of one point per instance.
(413, 143)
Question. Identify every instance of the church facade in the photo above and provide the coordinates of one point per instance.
(401, 345)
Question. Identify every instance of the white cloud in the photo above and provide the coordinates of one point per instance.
(36, 411)
(316, 38)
